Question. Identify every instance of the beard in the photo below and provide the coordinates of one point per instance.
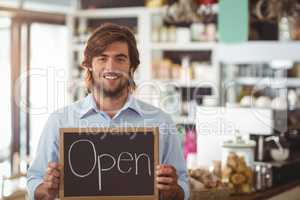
(111, 91)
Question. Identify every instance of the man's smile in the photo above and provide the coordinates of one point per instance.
(111, 75)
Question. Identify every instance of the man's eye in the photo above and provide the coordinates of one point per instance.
(101, 59)
(121, 60)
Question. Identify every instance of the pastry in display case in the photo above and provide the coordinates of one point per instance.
(207, 184)
(237, 165)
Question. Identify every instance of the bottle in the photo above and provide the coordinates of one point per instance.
(186, 74)
(258, 177)
(292, 99)
(284, 29)
(269, 176)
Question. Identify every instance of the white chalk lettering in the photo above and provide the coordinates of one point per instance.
(124, 159)
(94, 154)
(100, 169)
(99, 160)
(136, 162)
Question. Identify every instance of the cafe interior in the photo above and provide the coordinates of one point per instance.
(227, 71)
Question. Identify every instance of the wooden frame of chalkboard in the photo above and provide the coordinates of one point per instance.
(106, 136)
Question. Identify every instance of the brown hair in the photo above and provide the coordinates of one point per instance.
(97, 43)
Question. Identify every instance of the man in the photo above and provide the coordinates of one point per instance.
(110, 60)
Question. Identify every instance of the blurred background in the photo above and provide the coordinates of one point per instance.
(201, 61)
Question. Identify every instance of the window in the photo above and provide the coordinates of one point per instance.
(48, 76)
(5, 90)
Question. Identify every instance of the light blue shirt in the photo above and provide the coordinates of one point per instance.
(85, 113)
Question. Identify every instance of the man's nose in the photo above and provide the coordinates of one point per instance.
(110, 65)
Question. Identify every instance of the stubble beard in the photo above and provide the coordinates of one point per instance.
(101, 88)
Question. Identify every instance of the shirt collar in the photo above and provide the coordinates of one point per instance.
(133, 105)
(89, 106)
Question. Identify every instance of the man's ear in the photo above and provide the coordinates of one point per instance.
(131, 73)
(132, 84)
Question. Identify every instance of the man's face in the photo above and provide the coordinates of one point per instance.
(110, 70)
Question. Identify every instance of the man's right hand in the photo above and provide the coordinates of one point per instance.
(48, 190)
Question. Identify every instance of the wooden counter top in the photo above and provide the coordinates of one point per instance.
(275, 190)
(267, 194)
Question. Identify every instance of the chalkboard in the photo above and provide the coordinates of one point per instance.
(108, 163)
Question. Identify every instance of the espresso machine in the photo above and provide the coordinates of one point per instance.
(271, 129)
(281, 149)
(215, 125)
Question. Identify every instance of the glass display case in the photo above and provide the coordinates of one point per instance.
(273, 84)
(260, 74)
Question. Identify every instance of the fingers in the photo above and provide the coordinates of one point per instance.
(51, 184)
(165, 180)
(166, 170)
(53, 169)
(163, 187)
(52, 176)
(166, 167)
(166, 177)
(53, 164)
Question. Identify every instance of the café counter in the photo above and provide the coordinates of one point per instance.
(287, 191)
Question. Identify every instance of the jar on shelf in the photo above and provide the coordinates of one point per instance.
(163, 36)
(155, 34)
(197, 30)
(186, 73)
(172, 34)
(238, 164)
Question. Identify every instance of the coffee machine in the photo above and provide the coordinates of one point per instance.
(286, 132)
(216, 124)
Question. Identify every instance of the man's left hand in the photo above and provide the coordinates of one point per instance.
(167, 182)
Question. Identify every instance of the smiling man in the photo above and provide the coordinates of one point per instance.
(110, 71)
(110, 60)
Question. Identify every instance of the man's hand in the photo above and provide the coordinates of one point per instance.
(48, 190)
(167, 183)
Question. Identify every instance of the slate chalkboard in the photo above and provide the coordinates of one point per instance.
(103, 163)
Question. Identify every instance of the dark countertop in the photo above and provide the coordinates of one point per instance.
(275, 190)
(269, 193)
